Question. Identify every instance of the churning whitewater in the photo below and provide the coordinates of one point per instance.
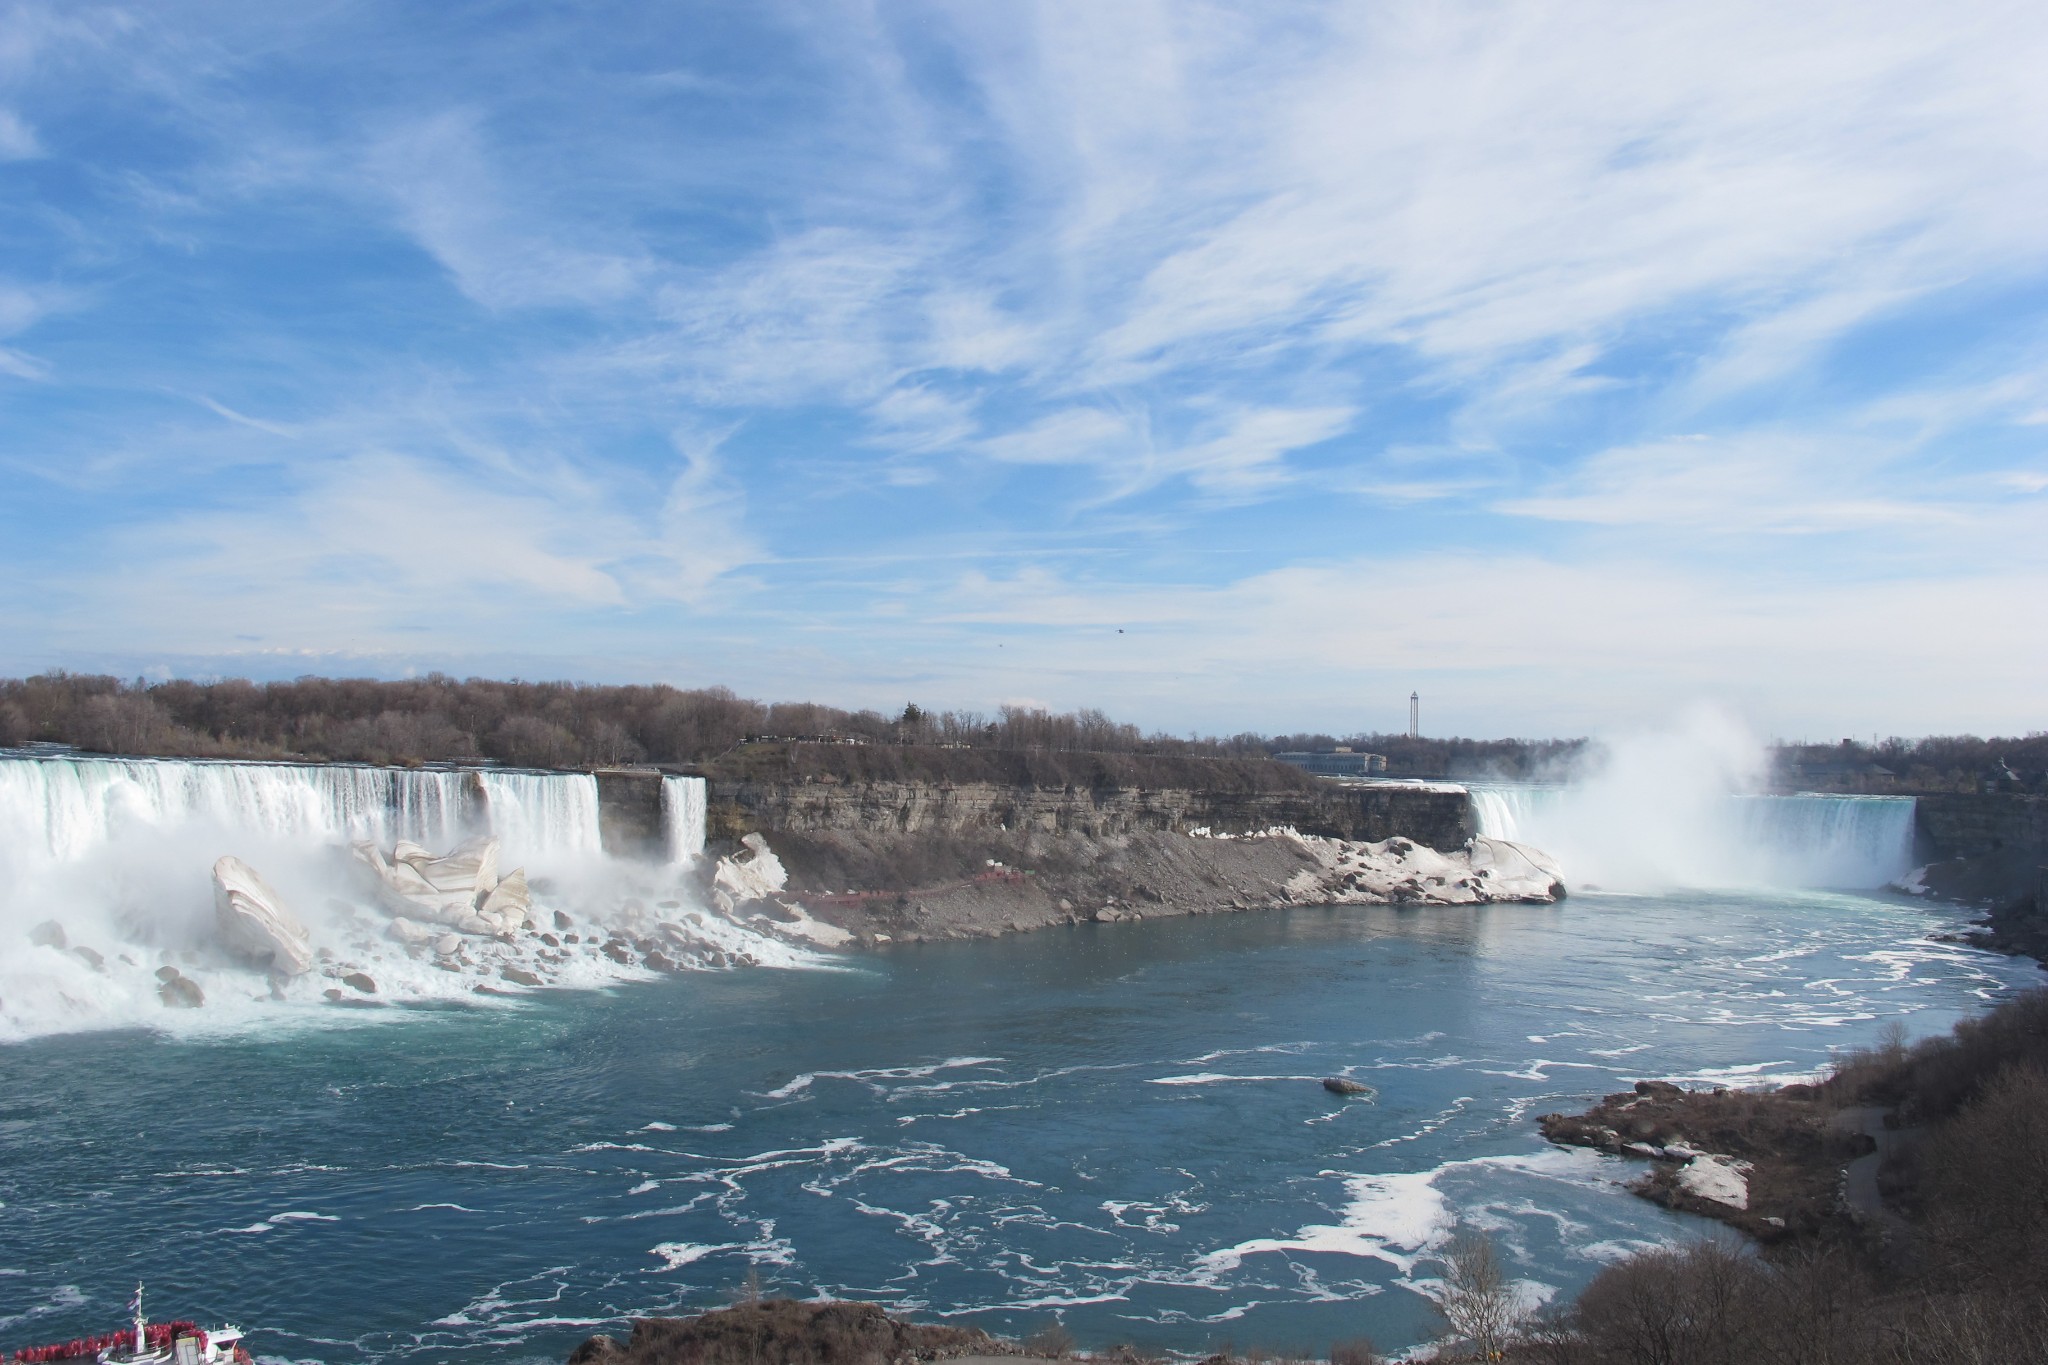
(197, 895)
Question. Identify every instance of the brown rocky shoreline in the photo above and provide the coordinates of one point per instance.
(884, 889)
(1770, 1162)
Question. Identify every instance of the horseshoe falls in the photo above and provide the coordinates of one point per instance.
(1644, 840)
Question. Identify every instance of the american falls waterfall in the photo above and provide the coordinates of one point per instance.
(1631, 840)
(544, 817)
(67, 808)
(109, 897)
(682, 816)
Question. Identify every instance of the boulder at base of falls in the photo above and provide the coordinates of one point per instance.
(178, 991)
(254, 921)
(403, 930)
(49, 934)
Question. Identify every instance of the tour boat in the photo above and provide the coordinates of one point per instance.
(143, 1343)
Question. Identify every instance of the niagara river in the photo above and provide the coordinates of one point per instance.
(1118, 1126)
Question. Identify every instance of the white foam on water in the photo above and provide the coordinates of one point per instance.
(797, 1085)
(1391, 1218)
(1399, 1218)
(676, 1255)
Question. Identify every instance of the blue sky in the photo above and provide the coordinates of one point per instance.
(1222, 366)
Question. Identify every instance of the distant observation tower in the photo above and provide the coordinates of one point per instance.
(1415, 715)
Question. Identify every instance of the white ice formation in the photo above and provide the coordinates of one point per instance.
(254, 922)
(461, 889)
(748, 885)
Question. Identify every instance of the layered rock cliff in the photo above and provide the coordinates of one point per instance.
(905, 843)
(1992, 848)
(1439, 818)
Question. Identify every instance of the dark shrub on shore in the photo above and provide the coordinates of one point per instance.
(1962, 1280)
(783, 1332)
(1933, 1079)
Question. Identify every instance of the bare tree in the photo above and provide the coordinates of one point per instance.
(1479, 1303)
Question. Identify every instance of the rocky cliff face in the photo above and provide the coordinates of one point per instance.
(1969, 825)
(629, 812)
(1437, 817)
(1992, 848)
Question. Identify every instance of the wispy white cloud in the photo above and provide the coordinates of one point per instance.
(373, 550)
(1502, 640)
(22, 365)
(18, 141)
(1760, 482)
(439, 175)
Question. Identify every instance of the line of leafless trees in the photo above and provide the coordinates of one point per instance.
(568, 725)
(1930, 764)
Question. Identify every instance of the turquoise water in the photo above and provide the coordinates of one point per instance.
(1115, 1125)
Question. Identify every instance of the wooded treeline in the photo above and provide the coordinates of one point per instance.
(437, 719)
(1935, 763)
(571, 725)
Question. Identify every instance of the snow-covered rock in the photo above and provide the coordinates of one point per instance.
(804, 927)
(254, 920)
(1400, 871)
(755, 875)
(1722, 1179)
(1516, 871)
